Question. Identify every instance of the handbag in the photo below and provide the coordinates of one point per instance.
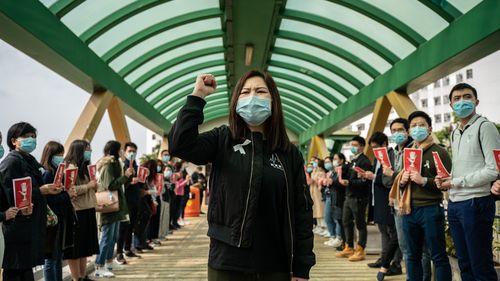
(107, 202)
(51, 217)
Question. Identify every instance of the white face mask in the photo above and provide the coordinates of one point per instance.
(335, 163)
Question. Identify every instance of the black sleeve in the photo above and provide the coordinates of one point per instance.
(184, 139)
(355, 182)
(11, 169)
(303, 256)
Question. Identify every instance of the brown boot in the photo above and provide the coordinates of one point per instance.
(359, 254)
(347, 252)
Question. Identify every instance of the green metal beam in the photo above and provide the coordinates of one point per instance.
(345, 30)
(312, 74)
(320, 62)
(44, 27)
(383, 18)
(110, 21)
(291, 102)
(178, 60)
(168, 46)
(178, 99)
(292, 125)
(298, 114)
(157, 28)
(312, 101)
(63, 7)
(443, 8)
(331, 48)
(467, 39)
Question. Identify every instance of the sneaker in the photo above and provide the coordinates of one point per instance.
(317, 230)
(114, 266)
(131, 254)
(336, 242)
(325, 233)
(120, 259)
(376, 264)
(148, 247)
(103, 272)
(180, 222)
(139, 250)
(86, 278)
(394, 269)
(157, 242)
(329, 242)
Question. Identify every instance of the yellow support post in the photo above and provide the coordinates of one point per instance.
(317, 148)
(118, 121)
(379, 121)
(90, 118)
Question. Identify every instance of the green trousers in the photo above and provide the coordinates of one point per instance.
(225, 275)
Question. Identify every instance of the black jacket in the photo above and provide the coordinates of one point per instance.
(24, 235)
(235, 182)
(359, 188)
(382, 212)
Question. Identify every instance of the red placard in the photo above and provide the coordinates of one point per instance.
(59, 175)
(496, 152)
(159, 182)
(22, 192)
(440, 168)
(382, 156)
(359, 170)
(92, 172)
(142, 174)
(70, 176)
(339, 173)
(412, 160)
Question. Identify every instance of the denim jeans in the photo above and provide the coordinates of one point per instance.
(52, 270)
(426, 224)
(109, 234)
(426, 256)
(471, 223)
(330, 222)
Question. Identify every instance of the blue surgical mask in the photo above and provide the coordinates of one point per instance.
(399, 137)
(166, 158)
(309, 170)
(87, 155)
(354, 150)
(328, 166)
(419, 133)
(464, 108)
(2, 151)
(28, 145)
(131, 156)
(56, 160)
(167, 174)
(254, 110)
(158, 169)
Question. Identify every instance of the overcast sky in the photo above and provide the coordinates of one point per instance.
(32, 93)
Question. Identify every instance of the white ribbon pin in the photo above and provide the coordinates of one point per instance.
(239, 147)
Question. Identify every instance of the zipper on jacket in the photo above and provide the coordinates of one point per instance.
(289, 216)
(248, 194)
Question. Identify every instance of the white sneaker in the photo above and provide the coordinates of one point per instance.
(336, 242)
(104, 273)
(181, 222)
(329, 242)
(114, 266)
(317, 230)
(324, 233)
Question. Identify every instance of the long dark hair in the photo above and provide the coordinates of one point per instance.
(151, 165)
(274, 127)
(51, 149)
(75, 156)
(112, 148)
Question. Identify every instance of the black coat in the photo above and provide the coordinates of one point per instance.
(235, 182)
(382, 212)
(25, 235)
(359, 188)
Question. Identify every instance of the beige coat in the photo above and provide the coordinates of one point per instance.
(85, 198)
(319, 206)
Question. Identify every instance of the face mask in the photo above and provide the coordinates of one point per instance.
(2, 151)
(167, 174)
(328, 166)
(158, 169)
(335, 163)
(315, 164)
(354, 150)
(309, 170)
(464, 108)
(166, 158)
(399, 138)
(87, 155)
(28, 144)
(254, 110)
(131, 156)
(419, 133)
(56, 160)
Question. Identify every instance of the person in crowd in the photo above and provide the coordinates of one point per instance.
(317, 177)
(59, 236)
(147, 207)
(338, 197)
(111, 178)
(254, 146)
(25, 234)
(186, 192)
(331, 205)
(7, 213)
(421, 202)
(199, 179)
(401, 137)
(175, 179)
(356, 202)
(164, 197)
(382, 214)
(471, 208)
(85, 243)
(180, 180)
(154, 203)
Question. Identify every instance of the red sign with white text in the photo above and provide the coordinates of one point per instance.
(159, 182)
(59, 175)
(92, 172)
(142, 174)
(70, 176)
(339, 173)
(412, 160)
(496, 152)
(440, 168)
(22, 192)
(382, 156)
(358, 170)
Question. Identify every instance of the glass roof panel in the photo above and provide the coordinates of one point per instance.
(175, 53)
(90, 12)
(371, 28)
(167, 36)
(339, 40)
(412, 12)
(313, 67)
(48, 3)
(464, 5)
(148, 18)
(179, 102)
(318, 110)
(325, 101)
(291, 103)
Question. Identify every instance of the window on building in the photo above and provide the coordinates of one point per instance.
(447, 117)
(446, 99)
(424, 103)
(437, 100)
(437, 84)
(460, 78)
(153, 137)
(446, 81)
(361, 127)
(468, 73)
(437, 118)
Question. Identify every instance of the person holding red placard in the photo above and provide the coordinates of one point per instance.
(420, 201)
(471, 208)
(24, 236)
